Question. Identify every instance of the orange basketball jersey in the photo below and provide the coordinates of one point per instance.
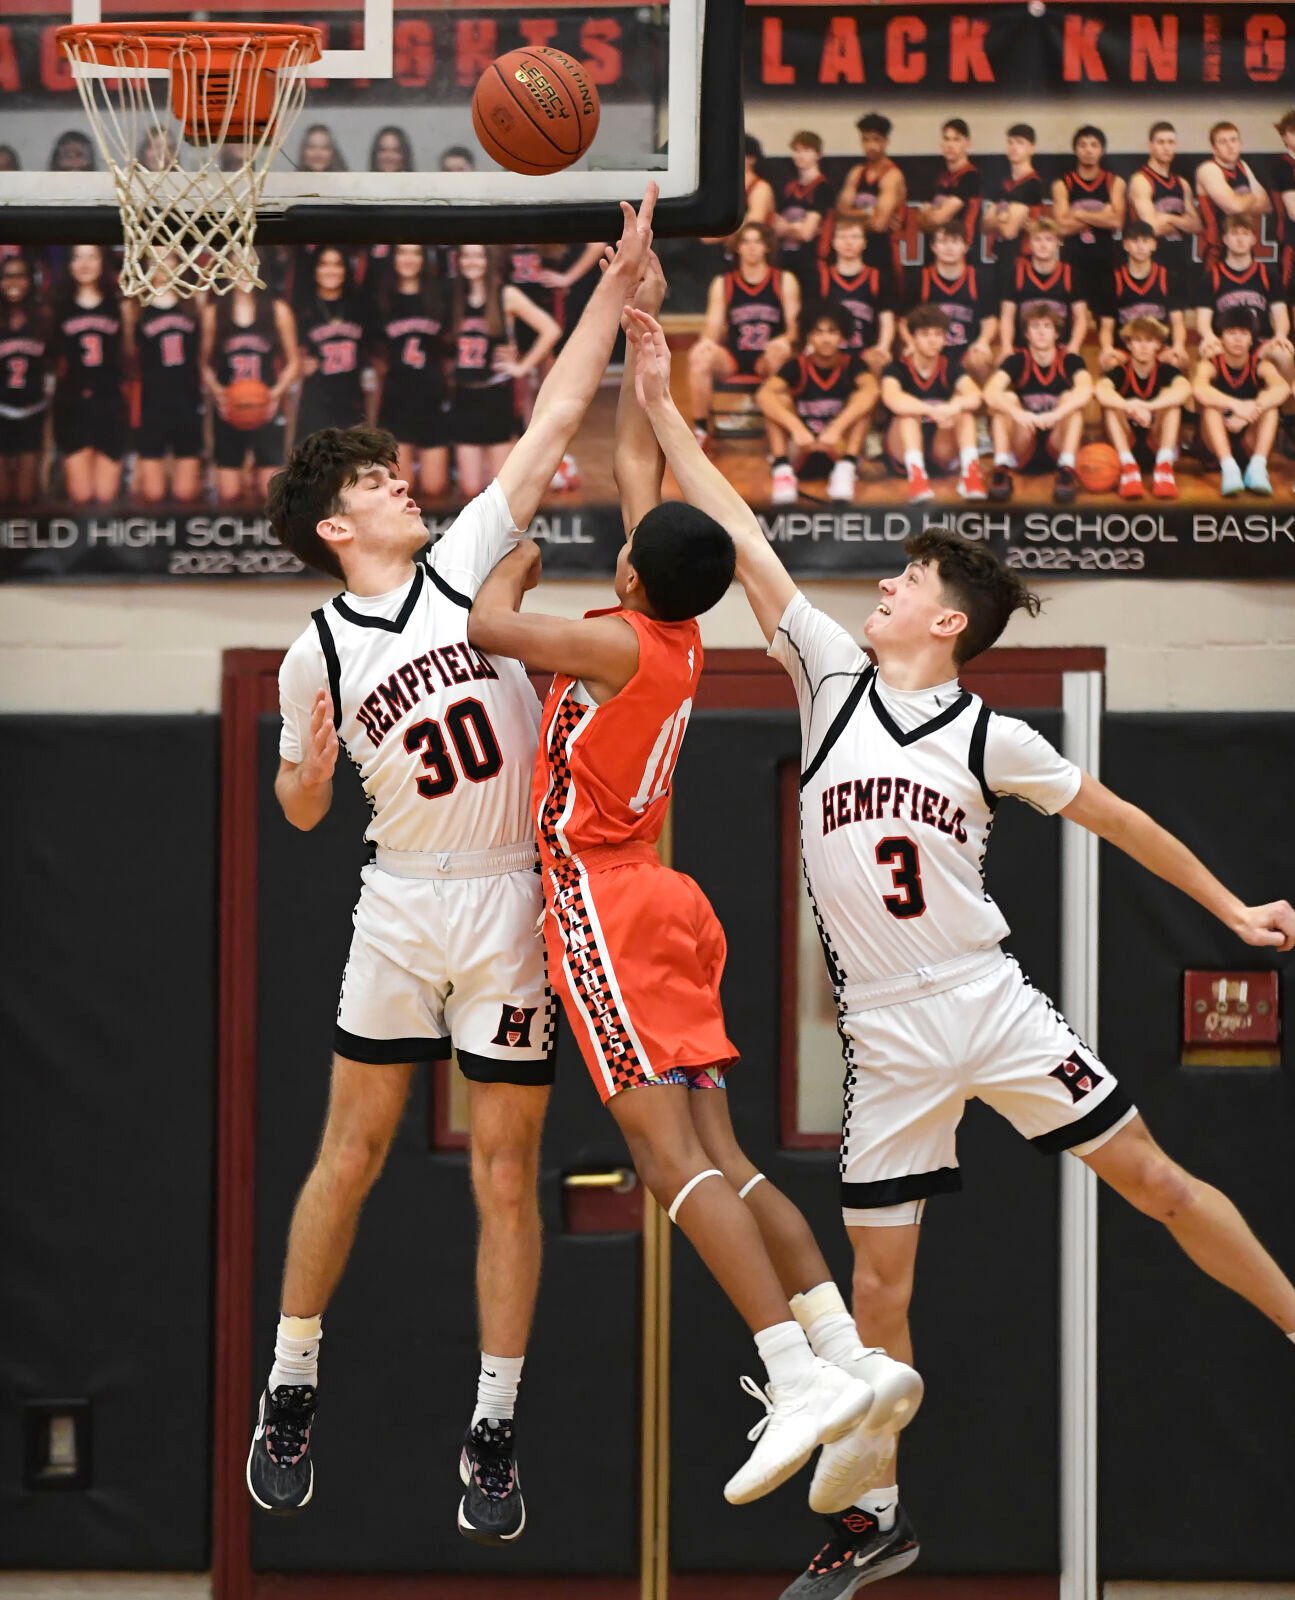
(602, 773)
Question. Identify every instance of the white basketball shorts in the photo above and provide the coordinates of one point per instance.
(911, 1068)
(441, 963)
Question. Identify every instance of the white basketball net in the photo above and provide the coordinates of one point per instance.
(189, 209)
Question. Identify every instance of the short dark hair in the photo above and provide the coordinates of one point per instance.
(751, 146)
(1160, 127)
(874, 122)
(1040, 311)
(1287, 123)
(957, 125)
(1022, 130)
(1222, 127)
(684, 559)
(927, 317)
(1237, 317)
(825, 311)
(322, 467)
(1137, 229)
(1088, 131)
(975, 579)
(950, 230)
(808, 138)
(1239, 220)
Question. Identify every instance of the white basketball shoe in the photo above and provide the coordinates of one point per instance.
(848, 1463)
(823, 1406)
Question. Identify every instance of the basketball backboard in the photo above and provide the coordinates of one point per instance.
(388, 107)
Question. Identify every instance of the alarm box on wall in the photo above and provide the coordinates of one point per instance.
(1231, 1019)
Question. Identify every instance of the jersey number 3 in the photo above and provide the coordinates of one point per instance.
(474, 743)
(900, 855)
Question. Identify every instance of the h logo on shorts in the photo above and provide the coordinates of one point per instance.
(515, 1026)
(1078, 1076)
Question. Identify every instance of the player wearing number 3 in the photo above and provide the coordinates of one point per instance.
(902, 770)
(445, 952)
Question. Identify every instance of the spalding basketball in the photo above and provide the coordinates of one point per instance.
(1097, 466)
(535, 110)
(247, 403)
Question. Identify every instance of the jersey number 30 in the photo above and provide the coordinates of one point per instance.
(900, 855)
(474, 743)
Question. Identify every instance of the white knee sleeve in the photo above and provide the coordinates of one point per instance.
(710, 1172)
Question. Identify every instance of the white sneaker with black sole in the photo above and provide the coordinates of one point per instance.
(857, 1553)
(846, 1465)
(823, 1406)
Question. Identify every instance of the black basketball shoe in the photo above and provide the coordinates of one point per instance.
(280, 1474)
(492, 1510)
(857, 1553)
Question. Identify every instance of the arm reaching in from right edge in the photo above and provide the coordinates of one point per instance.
(768, 587)
(304, 789)
(637, 463)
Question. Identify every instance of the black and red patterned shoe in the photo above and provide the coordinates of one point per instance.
(492, 1510)
(857, 1554)
(280, 1474)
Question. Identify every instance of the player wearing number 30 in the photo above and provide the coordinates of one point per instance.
(902, 771)
(446, 951)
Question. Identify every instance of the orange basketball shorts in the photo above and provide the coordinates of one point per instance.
(636, 955)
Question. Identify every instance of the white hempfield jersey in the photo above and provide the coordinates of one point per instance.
(897, 799)
(442, 736)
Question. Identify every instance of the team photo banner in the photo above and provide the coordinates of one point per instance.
(813, 541)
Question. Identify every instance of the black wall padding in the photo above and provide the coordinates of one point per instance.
(979, 1465)
(399, 1363)
(107, 1033)
(1197, 1389)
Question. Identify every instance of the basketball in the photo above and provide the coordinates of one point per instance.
(535, 110)
(247, 403)
(1097, 466)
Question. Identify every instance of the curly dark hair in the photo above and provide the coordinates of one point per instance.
(322, 467)
(973, 577)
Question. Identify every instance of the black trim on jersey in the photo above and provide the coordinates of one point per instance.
(838, 723)
(449, 592)
(491, 1069)
(1116, 1105)
(388, 1052)
(976, 755)
(891, 1191)
(920, 732)
(333, 663)
(386, 623)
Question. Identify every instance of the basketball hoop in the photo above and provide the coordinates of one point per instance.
(189, 172)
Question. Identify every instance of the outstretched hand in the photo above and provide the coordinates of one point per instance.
(320, 756)
(635, 242)
(651, 356)
(1271, 927)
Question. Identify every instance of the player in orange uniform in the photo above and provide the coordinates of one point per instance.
(636, 955)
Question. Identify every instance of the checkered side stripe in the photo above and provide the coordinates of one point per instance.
(565, 721)
(588, 970)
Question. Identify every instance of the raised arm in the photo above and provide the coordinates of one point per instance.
(573, 381)
(637, 462)
(1130, 829)
(602, 652)
(768, 588)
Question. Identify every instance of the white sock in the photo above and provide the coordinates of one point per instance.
(881, 1503)
(1066, 458)
(497, 1385)
(1291, 1336)
(914, 461)
(1259, 461)
(1166, 455)
(1004, 458)
(296, 1353)
(968, 456)
(786, 1354)
(828, 1325)
(1228, 460)
(1128, 459)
